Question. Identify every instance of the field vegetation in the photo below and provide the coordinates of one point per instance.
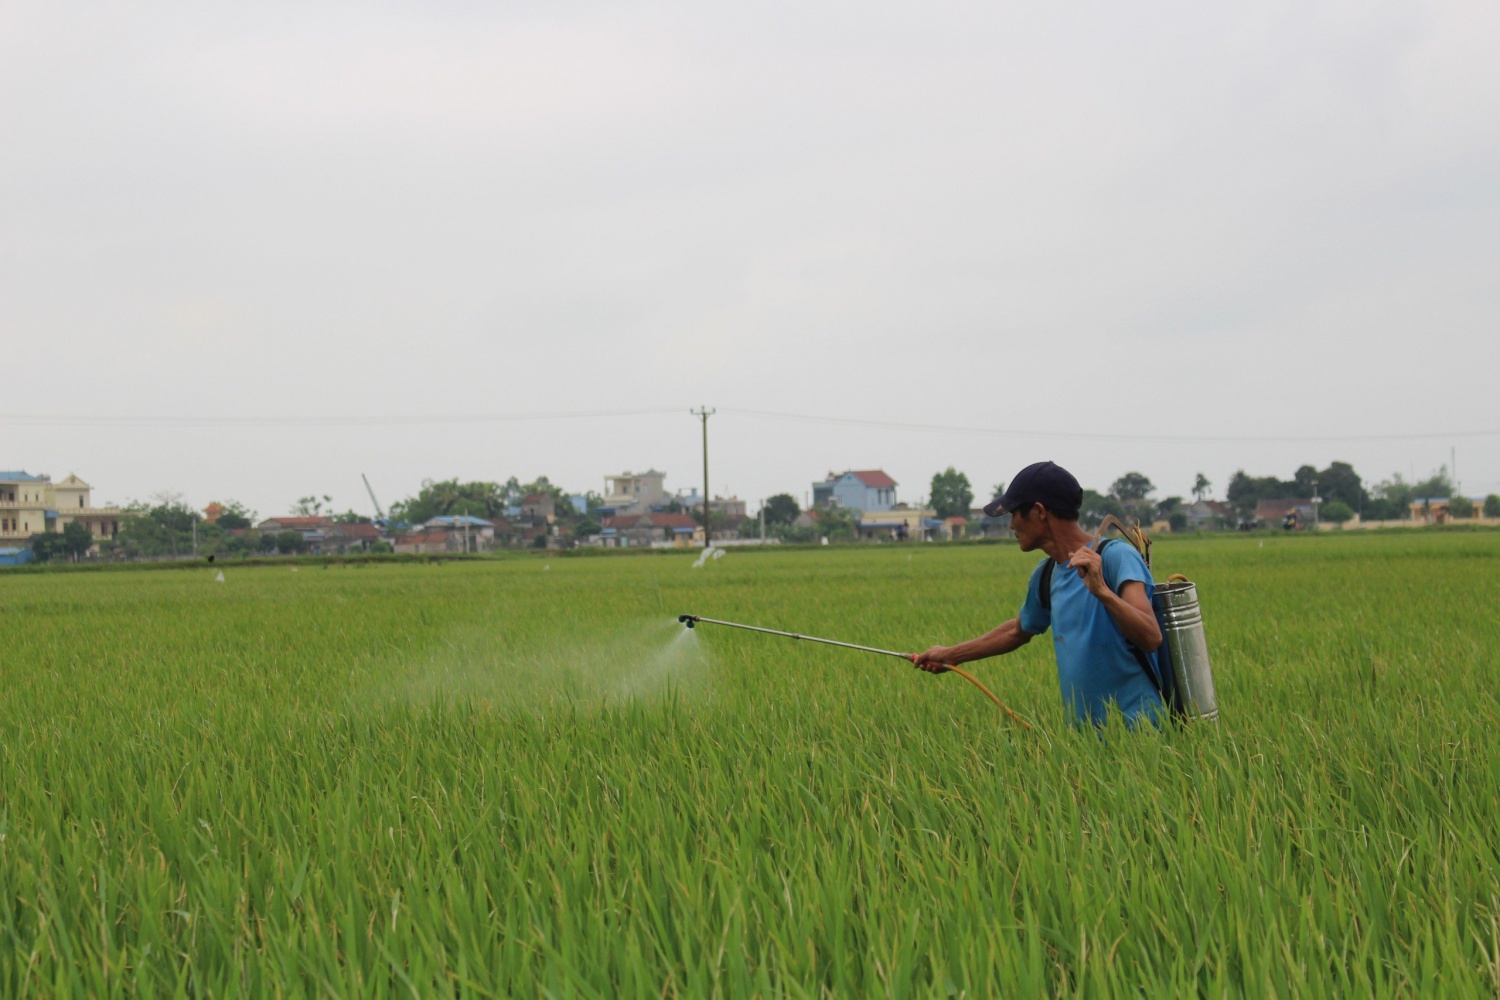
(495, 778)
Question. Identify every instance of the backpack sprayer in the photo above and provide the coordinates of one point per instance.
(1182, 673)
(693, 620)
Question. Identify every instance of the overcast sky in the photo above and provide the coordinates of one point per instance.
(1268, 221)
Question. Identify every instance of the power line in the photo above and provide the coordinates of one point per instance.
(418, 420)
(129, 420)
(1032, 432)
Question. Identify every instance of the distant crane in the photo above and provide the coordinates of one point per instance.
(379, 514)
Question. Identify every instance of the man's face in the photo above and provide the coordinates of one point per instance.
(1027, 526)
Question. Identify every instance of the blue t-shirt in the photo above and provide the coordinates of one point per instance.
(1095, 665)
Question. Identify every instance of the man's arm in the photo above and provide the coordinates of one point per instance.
(1006, 639)
(1129, 608)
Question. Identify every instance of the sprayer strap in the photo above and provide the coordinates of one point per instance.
(1044, 586)
(1044, 596)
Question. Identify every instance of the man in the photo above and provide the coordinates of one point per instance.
(1100, 607)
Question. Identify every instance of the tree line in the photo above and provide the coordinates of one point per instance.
(168, 527)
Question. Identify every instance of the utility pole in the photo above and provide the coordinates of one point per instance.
(763, 521)
(1315, 501)
(704, 413)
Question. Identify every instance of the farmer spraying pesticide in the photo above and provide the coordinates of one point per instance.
(1094, 596)
(1120, 639)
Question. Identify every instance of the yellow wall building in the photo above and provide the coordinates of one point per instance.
(34, 505)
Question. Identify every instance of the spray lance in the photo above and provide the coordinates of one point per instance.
(692, 621)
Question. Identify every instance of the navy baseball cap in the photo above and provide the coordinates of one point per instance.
(1046, 483)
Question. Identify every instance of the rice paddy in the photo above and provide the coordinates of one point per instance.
(497, 779)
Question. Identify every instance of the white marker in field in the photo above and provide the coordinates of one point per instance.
(220, 577)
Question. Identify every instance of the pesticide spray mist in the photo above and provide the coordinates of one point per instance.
(485, 666)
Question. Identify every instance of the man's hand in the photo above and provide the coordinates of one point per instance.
(1090, 566)
(933, 661)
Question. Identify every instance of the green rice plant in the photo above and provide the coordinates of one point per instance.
(490, 779)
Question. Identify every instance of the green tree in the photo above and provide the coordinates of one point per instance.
(1178, 521)
(290, 542)
(1168, 507)
(950, 494)
(1434, 487)
(235, 516)
(1246, 491)
(163, 530)
(1389, 500)
(1131, 487)
(213, 540)
(1460, 507)
(449, 497)
(781, 509)
(348, 517)
(49, 547)
(77, 540)
(1133, 491)
(1340, 482)
(1392, 498)
(1201, 486)
(1335, 511)
(838, 524)
(1492, 505)
(1096, 506)
(311, 506)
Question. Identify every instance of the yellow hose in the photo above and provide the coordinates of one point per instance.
(989, 694)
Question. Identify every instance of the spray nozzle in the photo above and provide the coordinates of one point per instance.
(688, 620)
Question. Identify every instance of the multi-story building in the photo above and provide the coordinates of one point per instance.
(635, 492)
(858, 489)
(692, 500)
(35, 505)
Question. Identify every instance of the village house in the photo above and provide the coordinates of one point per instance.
(1273, 513)
(730, 507)
(654, 530)
(311, 529)
(901, 523)
(635, 492)
(809, 518)
(858, 489)
(1207, 514)
(426, 543)
(320, 535)
(470, 534)
(344, 539)
(539, 507)
(1434, 510)
(984, 526)
(35, 505)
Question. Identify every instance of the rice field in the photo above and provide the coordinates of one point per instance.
(523, 778)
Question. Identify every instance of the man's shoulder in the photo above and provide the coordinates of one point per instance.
(1120, 556)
